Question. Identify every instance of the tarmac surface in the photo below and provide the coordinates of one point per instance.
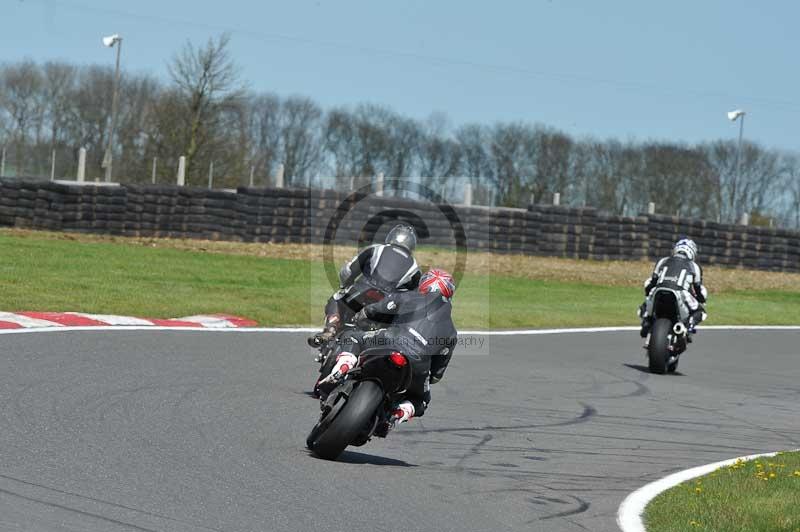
(193, 431)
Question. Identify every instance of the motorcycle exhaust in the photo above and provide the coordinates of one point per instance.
(679, 329)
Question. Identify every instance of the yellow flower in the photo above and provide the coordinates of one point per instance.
(698, 489)
(796, 473)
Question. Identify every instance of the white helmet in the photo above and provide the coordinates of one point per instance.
(685, 247)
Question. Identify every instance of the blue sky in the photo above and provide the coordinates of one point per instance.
(628, 69)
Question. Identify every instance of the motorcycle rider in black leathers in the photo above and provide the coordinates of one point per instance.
(391, 264)
(415, 323)
(679, 272)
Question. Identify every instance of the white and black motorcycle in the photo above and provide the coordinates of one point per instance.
(669, 334)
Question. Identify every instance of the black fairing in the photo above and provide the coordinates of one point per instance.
(375, 365)
(666, 306)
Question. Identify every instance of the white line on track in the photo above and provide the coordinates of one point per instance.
(629, 515)
(522, 332)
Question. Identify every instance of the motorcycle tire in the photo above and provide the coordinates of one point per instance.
(658, 349)
(349, 421)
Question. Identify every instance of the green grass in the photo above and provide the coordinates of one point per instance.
(762, 495)
(61, 275)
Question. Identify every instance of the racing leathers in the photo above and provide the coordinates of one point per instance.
(418, 325)
(387, 267)
(681, 274)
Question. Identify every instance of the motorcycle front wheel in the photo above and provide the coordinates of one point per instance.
(330, 437)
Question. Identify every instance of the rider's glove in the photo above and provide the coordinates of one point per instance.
(362, 321)
(321, 338)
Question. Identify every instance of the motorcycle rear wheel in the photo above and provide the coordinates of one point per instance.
(658, 348)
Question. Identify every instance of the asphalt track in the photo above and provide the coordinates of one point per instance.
(193, 431)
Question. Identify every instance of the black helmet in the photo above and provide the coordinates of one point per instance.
(403, 235)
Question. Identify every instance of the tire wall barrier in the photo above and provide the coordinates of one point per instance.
(306, 216)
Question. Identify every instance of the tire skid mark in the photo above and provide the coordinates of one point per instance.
(588, 413)
(582, 507)
(102, 501)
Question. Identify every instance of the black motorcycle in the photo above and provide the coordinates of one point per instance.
(669, 336)
(364, 291)
(359, 407)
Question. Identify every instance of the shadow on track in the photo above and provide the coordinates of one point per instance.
(352, 457)
(645, 369)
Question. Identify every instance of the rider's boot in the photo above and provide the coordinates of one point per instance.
(691, 329)
(646, 325)
(401, 413)
(344, 362)
(325, 385)
(646, 322)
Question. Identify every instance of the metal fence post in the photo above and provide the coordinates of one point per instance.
(379, 185)
(745, 218)
(211, 174)
(279, 177)
(53, 166)
(468, 194)
(651, 208)
(557, 199)
(181, 171)
(252, 174)
(3, 163)
(81, 177)
(155, 167)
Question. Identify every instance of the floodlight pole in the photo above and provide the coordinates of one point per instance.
(739, 149)
(107, 160)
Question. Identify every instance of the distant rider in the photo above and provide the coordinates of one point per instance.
(416, 323)
(679, 272)
(391, 263)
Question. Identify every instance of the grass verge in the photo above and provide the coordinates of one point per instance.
(761, 495)
(285, 285)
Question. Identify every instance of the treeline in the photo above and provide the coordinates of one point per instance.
(206, 113)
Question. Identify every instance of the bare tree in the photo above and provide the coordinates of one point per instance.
(138, 104)
(300, 120)
(206, 78)
(439, 154)
(264, 133)
(512, 152)
(791, 170)
(356, 143)
(677, 178)
(610, 170)
(21, 98)
(553, 150)
(754, 188)
(88, 119)
(59, 81)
